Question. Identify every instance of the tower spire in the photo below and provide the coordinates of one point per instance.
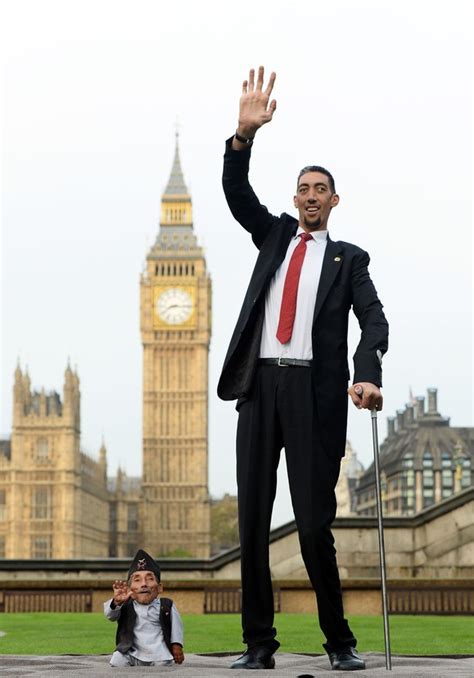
(176, 184)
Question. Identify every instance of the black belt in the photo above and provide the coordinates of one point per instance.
(285, 362)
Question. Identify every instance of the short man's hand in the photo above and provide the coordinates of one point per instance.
(177, 652)
(255, 109)
(121, 592)
(366, 396)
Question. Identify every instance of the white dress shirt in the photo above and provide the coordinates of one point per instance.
(148, 641)
(300, 345)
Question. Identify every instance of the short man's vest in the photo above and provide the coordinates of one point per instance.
(126, 624)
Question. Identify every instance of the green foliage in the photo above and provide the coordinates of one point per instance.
(176, 553)
(224, 523)
(54, 633)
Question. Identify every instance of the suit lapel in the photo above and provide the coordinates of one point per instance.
(331, 264)
(282, 248)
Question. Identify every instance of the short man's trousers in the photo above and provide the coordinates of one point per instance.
(119, 659)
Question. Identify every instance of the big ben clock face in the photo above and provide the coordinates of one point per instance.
(174, 307)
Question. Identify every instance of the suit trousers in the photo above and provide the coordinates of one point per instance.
(281, 412)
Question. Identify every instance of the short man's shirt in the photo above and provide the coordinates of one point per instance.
(148, 640)
(300, 345)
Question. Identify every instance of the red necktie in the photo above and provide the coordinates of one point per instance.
(290, 291)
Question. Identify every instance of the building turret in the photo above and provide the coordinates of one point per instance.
(420, 407)
(18, 395)
(72, 398)
(433, 401)
(42, 403)
(390, 427)
(119, 484)
(103, 459)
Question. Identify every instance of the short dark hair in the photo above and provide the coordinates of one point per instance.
(321, 170)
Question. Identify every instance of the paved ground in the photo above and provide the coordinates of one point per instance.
(198, 666)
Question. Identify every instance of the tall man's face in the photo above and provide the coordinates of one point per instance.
(314, 201)
(144, 586)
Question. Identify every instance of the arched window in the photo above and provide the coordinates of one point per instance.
(132, 518)
(466, 473)
(42, 449)
(428, 480)
(41, 546)
(41, 503)
(447, 477)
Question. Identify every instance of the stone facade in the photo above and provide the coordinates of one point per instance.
(176, 331)
(55, 501)
(423, 460)
(429, 557)
(438, 543)
(125, 507)
(53, 497)
(351, 471)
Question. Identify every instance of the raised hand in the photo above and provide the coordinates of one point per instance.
(256, 109)
(121, 591)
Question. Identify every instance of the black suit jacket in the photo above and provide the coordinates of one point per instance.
(344, 284)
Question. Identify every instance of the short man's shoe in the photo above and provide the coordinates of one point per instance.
(258, 657)
(346, 660)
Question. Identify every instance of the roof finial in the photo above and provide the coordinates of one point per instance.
(177, 127)
(176, 185)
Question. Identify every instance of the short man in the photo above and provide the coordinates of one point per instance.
(287, 367)
(150, 630)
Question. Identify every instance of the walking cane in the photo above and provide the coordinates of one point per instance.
(386, 629)
(378, 495)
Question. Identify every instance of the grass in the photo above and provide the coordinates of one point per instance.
(54, 633)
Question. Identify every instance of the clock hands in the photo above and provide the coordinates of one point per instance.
(174, 306)
(179, 306)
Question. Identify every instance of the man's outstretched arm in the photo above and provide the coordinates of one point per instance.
(255, 107)
(255, 110)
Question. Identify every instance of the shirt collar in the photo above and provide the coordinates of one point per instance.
(154, 603)
(319, 236)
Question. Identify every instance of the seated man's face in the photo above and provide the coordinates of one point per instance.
(144, 587)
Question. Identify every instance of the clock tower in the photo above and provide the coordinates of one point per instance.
(175, 292)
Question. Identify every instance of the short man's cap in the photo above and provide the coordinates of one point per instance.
(143, 561)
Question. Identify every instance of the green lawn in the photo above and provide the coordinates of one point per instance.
(46, 633)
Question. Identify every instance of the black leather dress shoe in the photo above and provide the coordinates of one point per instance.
(346, 660)
(259, 657)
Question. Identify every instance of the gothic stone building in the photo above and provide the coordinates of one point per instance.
(55, 501)
(176, 329)
(423, 460)
(349, 475)
(53, 497)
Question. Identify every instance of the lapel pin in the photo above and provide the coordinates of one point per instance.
(337, 258)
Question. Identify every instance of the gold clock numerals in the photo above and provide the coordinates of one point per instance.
(174, 306)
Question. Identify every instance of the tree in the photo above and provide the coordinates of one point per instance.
(224, 524)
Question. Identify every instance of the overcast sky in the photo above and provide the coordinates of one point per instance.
(379, 92)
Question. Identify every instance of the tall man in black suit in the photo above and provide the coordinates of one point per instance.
(287, 367)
